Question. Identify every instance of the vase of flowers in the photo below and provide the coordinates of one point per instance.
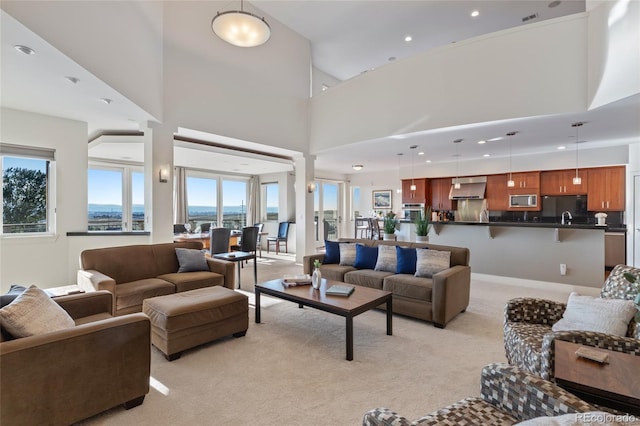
(389, 226)
(423, 226)
(316, 277)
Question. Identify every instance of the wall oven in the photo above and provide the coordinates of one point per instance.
(410, 211)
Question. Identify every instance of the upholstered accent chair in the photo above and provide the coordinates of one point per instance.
(508, 395)
(529, 341)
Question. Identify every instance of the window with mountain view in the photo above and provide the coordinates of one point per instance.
(115, 198)
(27, 205)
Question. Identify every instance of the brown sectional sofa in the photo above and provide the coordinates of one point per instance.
(64, 376)
(137, 272)
(438, 299)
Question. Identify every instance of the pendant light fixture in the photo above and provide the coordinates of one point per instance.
(577, 180)
(457, 184)
(240, 28)
(413, 182)
(510, 183)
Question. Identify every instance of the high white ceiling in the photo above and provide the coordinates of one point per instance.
(347, 38)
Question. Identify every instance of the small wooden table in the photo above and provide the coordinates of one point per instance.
(238, 257)
(614, 383)
(361, 300)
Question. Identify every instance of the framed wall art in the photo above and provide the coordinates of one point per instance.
(381, 199)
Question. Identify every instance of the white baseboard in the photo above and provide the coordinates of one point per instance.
(543, 285)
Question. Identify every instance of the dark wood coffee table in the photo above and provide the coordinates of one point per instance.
(361, 300)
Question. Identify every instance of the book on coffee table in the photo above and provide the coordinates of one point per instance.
(340, 290)
(294, 280)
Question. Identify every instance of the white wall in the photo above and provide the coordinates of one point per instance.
(118, 41)
(521, 70)
(258, 95)
(43, 260)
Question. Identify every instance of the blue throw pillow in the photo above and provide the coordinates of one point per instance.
(332, 252)
(406, 260)
(366, 257)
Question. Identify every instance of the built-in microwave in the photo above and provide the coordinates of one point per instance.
(412, 211)
(519, 200)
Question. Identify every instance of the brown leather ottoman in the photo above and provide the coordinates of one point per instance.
(184, 320)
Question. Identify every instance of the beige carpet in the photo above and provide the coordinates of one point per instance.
(291, 368)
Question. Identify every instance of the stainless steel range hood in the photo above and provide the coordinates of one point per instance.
(471, 188)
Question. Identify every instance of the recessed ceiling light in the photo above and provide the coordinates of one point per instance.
(24, 49)
(475, 13)
(562, 147)
(71, 79)
(554, 3)
(495, 139)
(486, 155)
(408, 38)
(428, 161)
(421, 153)
(357, 167)
(106, 100)
(482, 142)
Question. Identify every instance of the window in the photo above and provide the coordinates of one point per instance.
(115, 198)
(355, 202)
(202, 199)
(27, 190)
(206, 191)
(234, 203)
(270, 201)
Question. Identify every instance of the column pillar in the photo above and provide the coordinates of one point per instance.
(305, 175)
(158, 196)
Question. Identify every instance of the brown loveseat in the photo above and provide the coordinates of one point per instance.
(438, 299)
(62, 377)
(137, 272)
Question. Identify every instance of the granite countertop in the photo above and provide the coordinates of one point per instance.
(608, 228)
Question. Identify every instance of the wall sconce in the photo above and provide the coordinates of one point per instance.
(311, 187)
(164, 174)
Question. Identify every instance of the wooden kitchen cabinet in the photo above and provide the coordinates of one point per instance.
(417, 196)
(526, 181)
(560, 182)
(439, 191)
(606, 189)
(496, 194)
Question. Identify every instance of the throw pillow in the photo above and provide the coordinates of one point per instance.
(191, 260)
(586, 313)
(366, 257)
(347, 254)
(14, 291)
(331, 253)
(34, 312)
(386, 258)
(430, 262)
(407, 258)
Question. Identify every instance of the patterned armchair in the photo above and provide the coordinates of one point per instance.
(508, 396)
(529, 340)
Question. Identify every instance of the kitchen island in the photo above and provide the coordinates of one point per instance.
(525, 250)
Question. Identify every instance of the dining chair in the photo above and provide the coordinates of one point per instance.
(219, 240)
(205, 227)
(248, 241)
(260, 227)
(178, 228)
(376, 233)
(281, 238)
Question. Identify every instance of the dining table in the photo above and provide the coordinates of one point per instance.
(205, 239)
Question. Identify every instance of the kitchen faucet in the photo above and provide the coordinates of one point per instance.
(569, 214)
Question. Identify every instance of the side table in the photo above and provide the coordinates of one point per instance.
(614, 383)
